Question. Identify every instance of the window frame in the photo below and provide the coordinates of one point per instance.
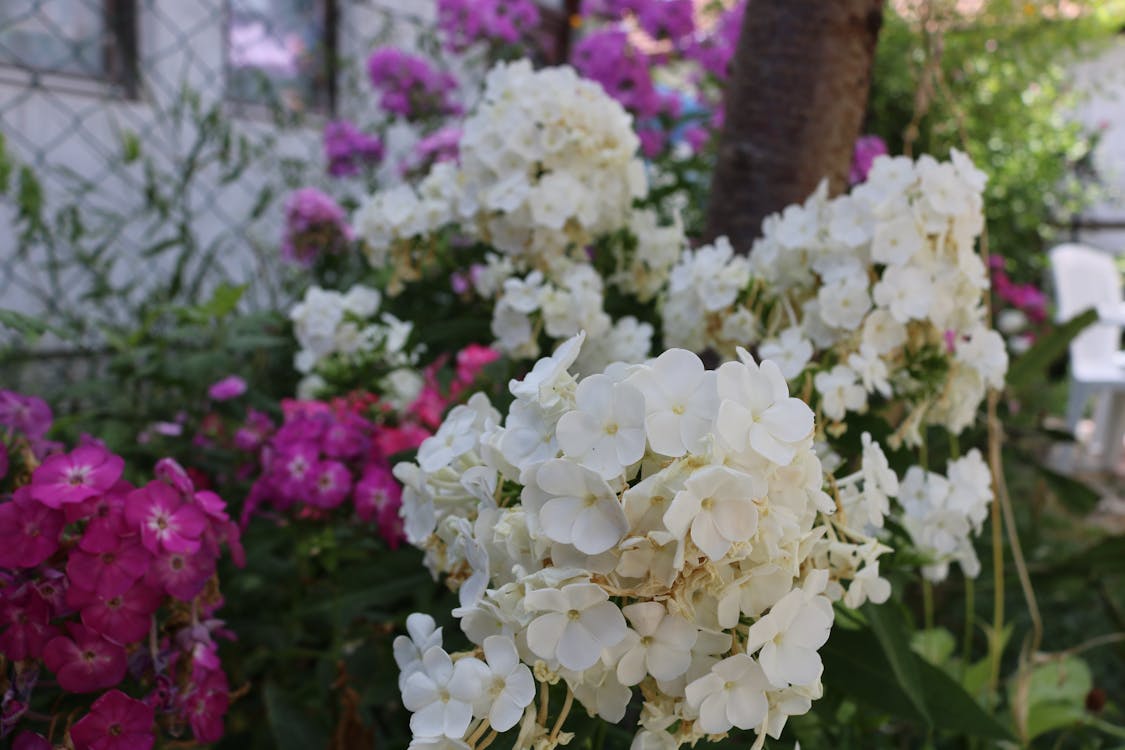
(119, 57)
(324, 108)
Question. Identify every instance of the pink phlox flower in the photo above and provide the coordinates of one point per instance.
(429, 406)
(29, 531)
(102, 510)
(123, 618)
(25, 627)
(254, 431)
(331, 484)
(472, 360)
(169, 471)
(405, 437)
(375, 490)
(115, 722)
(29, 415)
(84, 661)
(668, 19)
(348, 149)
(346, 437)
(109, 571)
(31, 741)
(52, 586)
(206, 703)
(232, 386)
(867, 148)
(179, 574)
(165, 520)
(73, 477)
(293, 470)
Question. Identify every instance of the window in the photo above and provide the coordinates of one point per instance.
(90, 38)
(280, 52)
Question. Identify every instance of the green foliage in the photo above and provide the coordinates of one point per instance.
(1001, 88)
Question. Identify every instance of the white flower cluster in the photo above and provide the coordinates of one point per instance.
(942, 513)
(334, 327)
(656, 525)
(881, 289)
(547, 164)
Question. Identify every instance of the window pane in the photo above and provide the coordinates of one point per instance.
(277, 53)
(57, 35)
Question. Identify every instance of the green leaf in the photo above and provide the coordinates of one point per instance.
(130, 146)
(291, 730)
(1104, 558)
(1032, 366)
(27, 326)
(223, 300)
(1056, 695)
(958, 710)
(935, 645)
(890, 630)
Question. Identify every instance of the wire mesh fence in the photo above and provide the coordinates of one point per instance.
(150, 145)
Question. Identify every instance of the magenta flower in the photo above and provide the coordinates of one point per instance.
(84, 662)
(471, 360)
(110, 572)
(26, 414)
(205, 705)
(169, 471)
(29, 531)
(331, 485)
(3, 461)
(254, 432)
(375, 491)
(115, 722)
(867, 148)
(229, 387)
(180, 575)
(31, 741)
(668, 19)
(294, 470)
(349, 149)
(165, 520)
(409, 86)
(315, 225)
(73, 477)
(51, 587)
(25, 626)
(123, 618)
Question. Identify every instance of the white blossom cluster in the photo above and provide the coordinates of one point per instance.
(548, 166)
(548, 162)
(873, 291)
(657, 526)
(942, 513)
(346, 328)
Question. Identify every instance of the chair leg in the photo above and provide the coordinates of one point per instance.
(1111, 448)
(1077, 397)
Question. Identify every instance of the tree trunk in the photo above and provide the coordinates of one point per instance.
(794, 106)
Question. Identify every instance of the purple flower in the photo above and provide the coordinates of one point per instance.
(29, 531)
(441, 145)
(464, 22)
(115, 722)
(24, 626)
(165, 520)
(84, 661)
(409, 86)
(348, 149)
(229, 387)
(867, 148)
(123, 618)
(331, 485)
(75, 476)
(667, 19)
(315, 225)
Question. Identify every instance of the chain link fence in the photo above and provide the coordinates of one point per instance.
(150, 145)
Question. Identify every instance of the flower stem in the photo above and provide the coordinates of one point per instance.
(928, 603)
(562, 714)
(970, 615)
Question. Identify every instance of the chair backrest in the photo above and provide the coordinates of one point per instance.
(1083, 278)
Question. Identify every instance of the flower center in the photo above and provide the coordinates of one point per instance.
(108, 558)
(115, 730)
(728, 685)
(89, 656)
(646, 640)
(707, 503)
(590, 500)
(574, 614)
(176, 563)
(76, 477)
(611, 428)
(678, 410)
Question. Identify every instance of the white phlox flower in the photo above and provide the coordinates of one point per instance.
(441, 695)
(662, 647)
(578, 622)
(732, 694)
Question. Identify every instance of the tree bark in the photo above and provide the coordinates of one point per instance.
(795, 103)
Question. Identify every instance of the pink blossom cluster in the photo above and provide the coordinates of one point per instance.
(28, 417)
(101, 581)
(465, 22)
(1027, 298)
(348, 149)
(328, 455)
(315, 225)
(409, 86)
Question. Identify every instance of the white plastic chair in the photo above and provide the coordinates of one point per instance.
(1085, 278)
